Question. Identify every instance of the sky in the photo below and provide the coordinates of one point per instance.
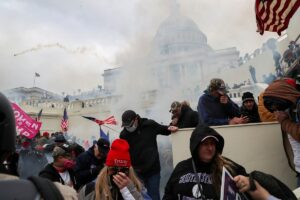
(71, 42)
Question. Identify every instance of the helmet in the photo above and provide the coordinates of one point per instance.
(7, 125)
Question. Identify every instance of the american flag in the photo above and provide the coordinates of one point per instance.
(274, 15)
(110, 120)
(103, 135)
(64, 121)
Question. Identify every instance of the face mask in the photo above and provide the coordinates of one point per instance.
(69, 164)
(131, 128)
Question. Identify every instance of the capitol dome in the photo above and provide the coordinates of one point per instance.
(178, 34)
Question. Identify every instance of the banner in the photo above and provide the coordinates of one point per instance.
(229, 191)
(24, 123)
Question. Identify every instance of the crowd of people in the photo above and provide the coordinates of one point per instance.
(129, 168)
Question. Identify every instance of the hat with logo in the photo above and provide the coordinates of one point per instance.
(216, 84)
(118, 154)
(127, 117)
(174, 106)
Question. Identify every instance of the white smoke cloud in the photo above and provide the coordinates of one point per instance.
(85, 37)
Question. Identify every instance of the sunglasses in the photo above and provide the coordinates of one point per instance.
(115, 170)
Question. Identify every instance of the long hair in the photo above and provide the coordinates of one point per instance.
(103, 184)
(217, 168)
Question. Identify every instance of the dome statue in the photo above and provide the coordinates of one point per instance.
(179, 34)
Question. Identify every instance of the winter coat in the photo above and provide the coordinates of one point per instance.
(264, 114)
(212, 112)
(281, 89)
(188, 118)
(49, 172)
(252, 115)
(87, 167)
(143, 146)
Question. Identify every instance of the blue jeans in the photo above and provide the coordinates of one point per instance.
(298, 181)
(152, 185)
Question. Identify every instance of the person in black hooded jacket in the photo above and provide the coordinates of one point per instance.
(141, 133)
(206, 146)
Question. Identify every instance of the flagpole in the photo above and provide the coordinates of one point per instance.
(297, 38)
(111, 129)
(34, 80)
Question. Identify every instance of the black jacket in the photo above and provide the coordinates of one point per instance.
(251, 114)
(49, 172)
(188, 118)
(87, 167)
(143, 146)
(183, 184)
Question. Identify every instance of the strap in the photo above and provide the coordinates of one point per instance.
(198, 181)
(46, 188)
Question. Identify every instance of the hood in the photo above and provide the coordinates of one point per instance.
(281, 89)
(201, 132)
(49, 169)
(185, 108)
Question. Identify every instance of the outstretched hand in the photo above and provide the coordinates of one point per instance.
(242, 183)
(173, 128)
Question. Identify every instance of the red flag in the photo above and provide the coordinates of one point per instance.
(274, 15)
(64, 121)
(110, 120)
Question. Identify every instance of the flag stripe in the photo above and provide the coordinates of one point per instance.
(274, 15)
(291, 13)
(109, 120)
(64, 121)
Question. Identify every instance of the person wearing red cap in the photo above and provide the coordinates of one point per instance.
(44, 139)
(117, 180)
